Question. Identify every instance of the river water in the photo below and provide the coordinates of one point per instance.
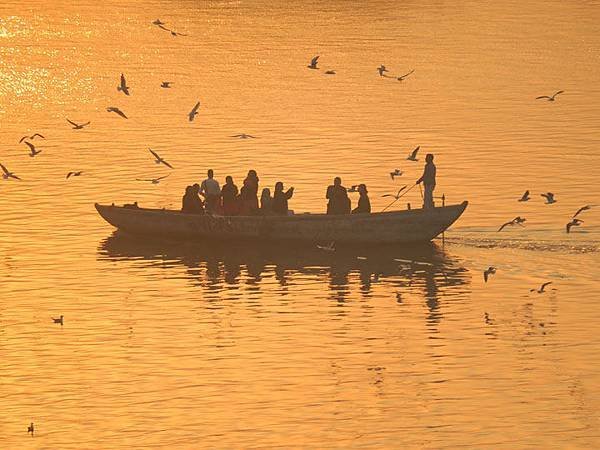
(218, 346)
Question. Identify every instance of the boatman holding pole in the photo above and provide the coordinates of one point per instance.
(428, 179)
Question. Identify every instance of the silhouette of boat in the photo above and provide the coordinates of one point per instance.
(415, 225)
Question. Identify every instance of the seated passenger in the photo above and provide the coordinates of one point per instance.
(339, 202)
(191, 203)
(248, 195)
(364, 204)
(229, 193)
(280, 199)
(266, 202)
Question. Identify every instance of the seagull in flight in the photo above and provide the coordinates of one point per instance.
(32, 150)
(30, 428)
(74, 174)
(59, 320)
(395, 173)
(525, 197)
(542, 287)
(31, 138)
(123, 86)
(330, 72)
(153, 180)
(7, 174)
(194, 112)
(78, 126)
(328, 248)
(550, 99)
(158, 22)
(381, 69)
(516, 221)
(549, 196)
(580, 210)
(176, 33)
(244, 136)
(166, 84)
(573, 223)
(313, 63)
(413, 155)
(116, 110)
(402, 77)
(489, 271)
(159, 160)
(397, 196)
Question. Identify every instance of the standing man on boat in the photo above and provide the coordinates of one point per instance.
(339, 202)
(428, 179)
(212, 192)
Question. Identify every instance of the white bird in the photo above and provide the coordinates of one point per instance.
(244, 136)
(166, 84)
(313, 63)
(194, 112)
(361, 258)
(123, 86)
(525, 197)
(381, 69)
(542, 287)
(32, 137)
(77, 126)
(117, 111)
(549, 196)
(328, 248)
(153, 180)
(8, 174)
(397, 196)
(59, 320)
(489, 271)
(413, 155)
(550, 99)
(402, 77)
(32, 150)
(159, 160)
(395, 173)
(573, 223)
(30, 428)
(74, 174)
(580, 210)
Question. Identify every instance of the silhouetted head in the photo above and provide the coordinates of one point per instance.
(429, 157)
(278, 186)
(337, 181)
(210, 173)
(252, 174)
(266, 193)
(362, 188)
(189, 190)
(195, 188)
(228, 179)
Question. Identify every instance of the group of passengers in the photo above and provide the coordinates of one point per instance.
(228, 201)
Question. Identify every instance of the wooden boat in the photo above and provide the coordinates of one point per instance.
(415, 225)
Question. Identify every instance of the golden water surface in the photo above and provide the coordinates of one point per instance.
(218, 346)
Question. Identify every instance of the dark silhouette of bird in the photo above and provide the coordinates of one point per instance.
(330, 72)
(489, 271)
(117, 111)
(78, 126)
(313, 63)
(158, 22)
(353, 188)
(32, 150)
(398, 297)
(166, 84)
(413, 155)
(59, 320)
(402, 77)
(244, 136)
(488, 319)
(516, 221)
(549, 196)
(550, 99)
(74, 174)
(397, 196)
(542, 287)
(153, 180)
(177, 33)
(7, 173)
(525, 197)
(573, 223)
(395, 173)
(31, 138)
(381, 69)
(194, 112)
(159, 160)
(580, 210)
(123, 86)
(30, 429)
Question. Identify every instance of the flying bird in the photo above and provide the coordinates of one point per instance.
(516, 221)
(30, 428)
(328, 248)
(395, 173)
(330, 72)
(397, 196)
(194, 112)
(542, 287)
(353, 188)
(525, 197)
(59, 320)
(413, 155)
(153, 180)
(489, 271)
(402, 77)
(176, 33)
(159, 160)
(573, 223)
(74, 174)
(549, 196)
(79, 126)
(7, 174)
(123, 86)
(550, 99)
(32, 137)
(158, 22)
(166, 84)
(32, 150)
(580, 210)
(487, 319)
(381, 69)
(244, 136)
(117, 111)
(313, 63)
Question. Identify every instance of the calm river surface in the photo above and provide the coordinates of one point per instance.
(176, 346)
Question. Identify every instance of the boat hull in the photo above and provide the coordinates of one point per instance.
(417, 225)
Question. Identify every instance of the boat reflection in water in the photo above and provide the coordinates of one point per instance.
(425, 269)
